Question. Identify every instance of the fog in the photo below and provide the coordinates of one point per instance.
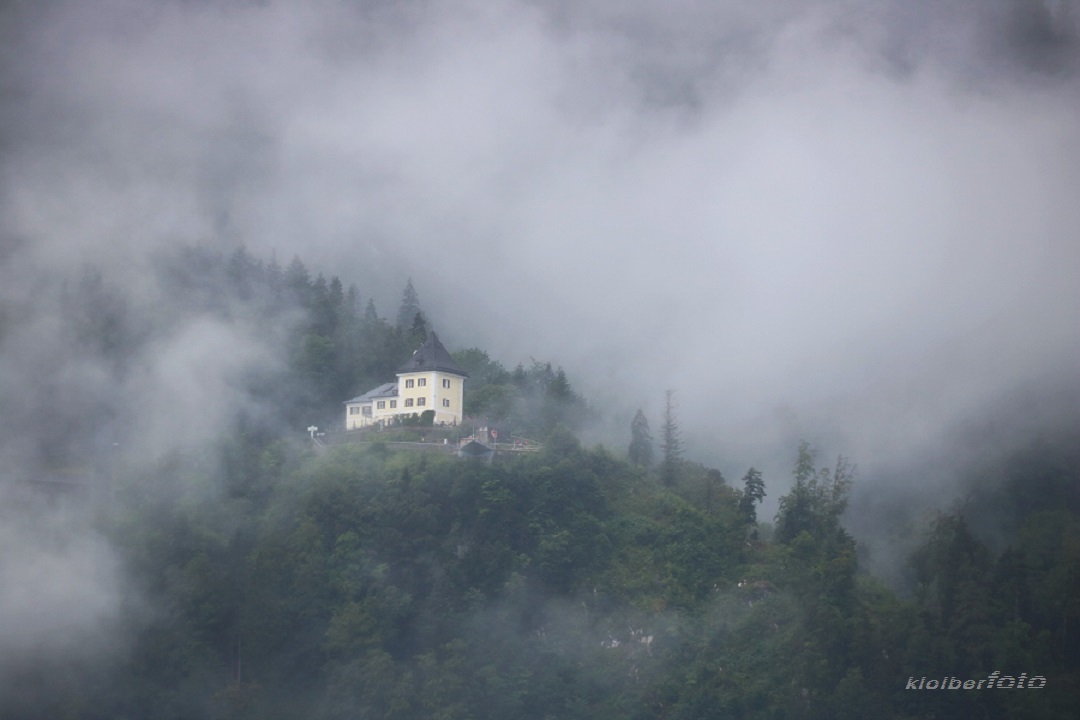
(847, 222)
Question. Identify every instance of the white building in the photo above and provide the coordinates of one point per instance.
(429, 380)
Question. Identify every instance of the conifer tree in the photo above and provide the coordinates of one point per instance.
(818, 498)
(298, 280)
(337, 297)
(559, 387)
(370, 315)
(323, 315)
(352, 301)
(641, 449)
(671, 445)
(753, 493)
(519, 377)
(242, 272)
(275, 283)
(418, 333)
(410, 306)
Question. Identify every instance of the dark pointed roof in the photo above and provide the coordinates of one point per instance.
(432, 356)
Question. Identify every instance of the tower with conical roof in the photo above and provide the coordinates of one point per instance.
(431, 380)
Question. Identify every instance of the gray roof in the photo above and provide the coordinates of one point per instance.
(384, 390)
(432, 356)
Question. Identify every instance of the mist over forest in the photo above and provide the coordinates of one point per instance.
(845, 235)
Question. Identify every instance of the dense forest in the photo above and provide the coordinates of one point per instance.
(267, 576)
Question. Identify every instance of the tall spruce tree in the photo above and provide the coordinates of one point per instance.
(298, 281)
(410, 307)
(418, 332)
(371, 317)
(671, 445)
(559, 388)
(641, 449)
(753, 493)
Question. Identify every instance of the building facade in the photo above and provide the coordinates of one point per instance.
(429, 380)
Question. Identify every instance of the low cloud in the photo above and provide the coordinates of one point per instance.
(843, 222)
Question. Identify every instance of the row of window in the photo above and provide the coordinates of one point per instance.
(417, 382)
(381, 404)
(422, 382)
(408, 403)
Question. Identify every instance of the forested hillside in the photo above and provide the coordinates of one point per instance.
(372, 583)
(286, 348)
(265, 577)
(771, 308)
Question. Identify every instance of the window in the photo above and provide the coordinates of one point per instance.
(421, 401)
(381, 404)
(367, 411)
(354, 410)
(408, 401)
(422, 382)
(393, 404)
(446, 383)
(408, 383)
(446, 402)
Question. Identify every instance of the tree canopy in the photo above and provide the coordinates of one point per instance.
(641, 450)
(273, 577)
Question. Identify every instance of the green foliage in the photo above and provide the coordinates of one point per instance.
(753, 493)
(817, 500)
(529, 402)
(333, 347)
(273, 581)
(362, 582)
(641, 450)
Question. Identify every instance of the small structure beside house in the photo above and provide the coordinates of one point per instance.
(429, 380)
(476, 451)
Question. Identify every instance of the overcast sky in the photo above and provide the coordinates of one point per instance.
(848, 221)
